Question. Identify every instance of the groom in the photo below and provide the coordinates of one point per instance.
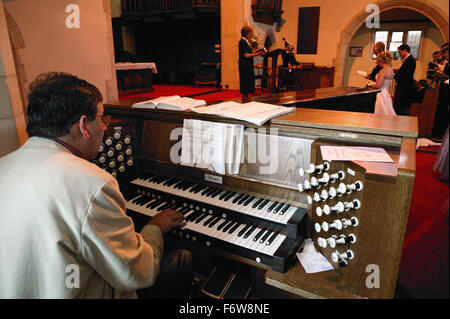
(405, 81)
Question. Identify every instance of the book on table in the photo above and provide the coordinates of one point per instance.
(173, 102)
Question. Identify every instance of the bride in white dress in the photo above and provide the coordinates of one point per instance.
(383, 104)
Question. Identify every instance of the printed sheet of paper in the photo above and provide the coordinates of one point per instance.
(311, 260)
(211, 145)
(355, 153)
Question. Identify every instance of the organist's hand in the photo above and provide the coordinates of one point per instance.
(168, 219)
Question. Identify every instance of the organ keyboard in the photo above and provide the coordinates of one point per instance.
(354, 212)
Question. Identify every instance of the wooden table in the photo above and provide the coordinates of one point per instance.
(136, 76)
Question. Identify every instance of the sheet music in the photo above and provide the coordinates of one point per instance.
(254, 112)
(355, 153)
(211, 145)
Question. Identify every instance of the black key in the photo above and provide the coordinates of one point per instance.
(229, 225)
(212, 190)
(136, 199)
(271, 238)
(170, 181)
(257, 202)
(243, 199)
(259, 234)
(226, 221)
(209, 220)
(213, 195)
(272, 207)
(237, 198)
(225, 195)
(161, 208)
(227, 198)
(266, 235)
(194, 189)
(193, 216)
(150, 203)
(162, 180)
(179, 184)
(206, 190)
(284, 209)
(187, 185)
(156, 203)
(248, 201)
(249, 231)
(243, 230)
(278, 208)
(214, 221)
(232, 229)
(201, 217)
(201, 188)
(264, 203)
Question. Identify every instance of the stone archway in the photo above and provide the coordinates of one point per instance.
(17, 43)
(427, 9)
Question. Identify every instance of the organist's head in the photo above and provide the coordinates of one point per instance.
(62, 106)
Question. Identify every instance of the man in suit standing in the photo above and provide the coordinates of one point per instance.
(405, 81)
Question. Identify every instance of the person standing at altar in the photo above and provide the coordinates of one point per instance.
(377, 49)
(383, 104)
(246, 68)
(404, 76)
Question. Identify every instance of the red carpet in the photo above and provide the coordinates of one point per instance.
(424, 266)
(207, 93)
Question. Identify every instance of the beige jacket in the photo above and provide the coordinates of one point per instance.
(63, 225)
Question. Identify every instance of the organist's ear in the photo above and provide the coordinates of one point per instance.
(82, 127)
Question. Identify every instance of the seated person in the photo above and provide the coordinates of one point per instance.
(64, 232)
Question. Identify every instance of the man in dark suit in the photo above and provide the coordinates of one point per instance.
(405, 81)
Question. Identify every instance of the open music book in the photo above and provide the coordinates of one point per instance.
(213, 146)
(174, 102)
(253, 112)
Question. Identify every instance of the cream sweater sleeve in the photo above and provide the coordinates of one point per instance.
(125, 259)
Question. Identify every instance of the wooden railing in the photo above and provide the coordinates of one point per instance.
(133, 8)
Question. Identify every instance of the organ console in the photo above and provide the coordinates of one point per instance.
(354, 212)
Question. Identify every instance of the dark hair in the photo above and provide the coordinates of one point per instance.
(404, 47)
(436, 52)
(246, 30)
(57, 100)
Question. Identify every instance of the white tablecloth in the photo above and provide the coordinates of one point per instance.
(137, 66)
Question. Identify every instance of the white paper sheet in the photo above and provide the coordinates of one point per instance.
(311, 260)
(355, 153)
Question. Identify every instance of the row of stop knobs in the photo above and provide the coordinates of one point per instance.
(342, 189)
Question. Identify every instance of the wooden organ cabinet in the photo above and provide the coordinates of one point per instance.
(354, 212)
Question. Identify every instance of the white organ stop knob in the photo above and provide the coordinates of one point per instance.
(331, 241)
(317, 227)
(350, 239)
(344, 256)
(350, 222)
(324, 195)
(341, 190)
(356, 186)
(315, 169)
(332, 193)
(322, 242)
(339, 175)
(339, 207)
(319, 211)
(337, 224)
(324, 180)
(316, 197)
(355, 204)
(310, 170)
